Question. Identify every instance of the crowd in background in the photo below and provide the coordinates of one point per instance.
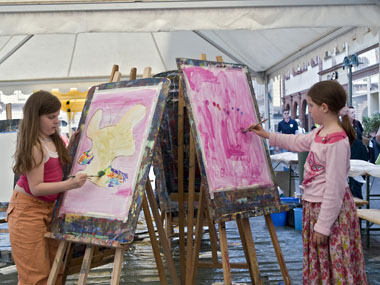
(367, 152)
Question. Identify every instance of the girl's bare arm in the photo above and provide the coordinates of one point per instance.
(40, 188)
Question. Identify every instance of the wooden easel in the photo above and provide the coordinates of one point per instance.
(99, 257)
(64, 252)
(162, 235)
(8, 111)
(189, 270)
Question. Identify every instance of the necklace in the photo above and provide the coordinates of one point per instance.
(46, 139)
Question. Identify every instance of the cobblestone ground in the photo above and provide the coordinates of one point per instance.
(139, 266)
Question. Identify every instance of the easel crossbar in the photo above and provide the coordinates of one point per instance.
(87, 240)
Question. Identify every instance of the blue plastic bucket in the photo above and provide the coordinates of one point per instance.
(289, 200)
(279, 219)
(298, 219)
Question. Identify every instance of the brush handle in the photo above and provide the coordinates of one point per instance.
(258, 124)
(253, 126)
(73, 176)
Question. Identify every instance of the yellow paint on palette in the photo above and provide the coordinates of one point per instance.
(70, 218)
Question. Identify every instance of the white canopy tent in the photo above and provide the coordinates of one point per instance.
(48, 41)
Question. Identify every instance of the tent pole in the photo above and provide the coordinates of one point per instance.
(350, 85)
(16, 48)
(72, 55)
(266, 101)
(159, 52)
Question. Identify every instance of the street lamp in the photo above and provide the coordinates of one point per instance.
(350, 61)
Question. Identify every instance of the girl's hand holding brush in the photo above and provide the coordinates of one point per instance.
(259, 130)
(81, 178)
(78, 180)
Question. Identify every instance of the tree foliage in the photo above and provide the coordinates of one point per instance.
(371, 124)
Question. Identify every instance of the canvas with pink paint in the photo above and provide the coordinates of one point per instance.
(221, 103)
(118, 129)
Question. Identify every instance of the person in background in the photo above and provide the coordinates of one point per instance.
(300, 129)
(287, 125)
(332, 250)
(376, 147)
(40, 154)
(355, 123)
(358, 151)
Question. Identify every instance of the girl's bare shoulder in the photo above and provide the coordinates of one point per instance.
(38, 152)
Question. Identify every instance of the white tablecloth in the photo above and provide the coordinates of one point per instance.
(285, 157)
(361, 167)
(357, 167)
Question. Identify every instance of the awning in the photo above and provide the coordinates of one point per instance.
(55, 41)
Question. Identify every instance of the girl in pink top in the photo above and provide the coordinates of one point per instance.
(332, 251)
(39, 156)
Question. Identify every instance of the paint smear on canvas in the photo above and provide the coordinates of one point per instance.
(113, 140)
(222, 104)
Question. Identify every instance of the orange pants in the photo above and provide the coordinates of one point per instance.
(28, 220)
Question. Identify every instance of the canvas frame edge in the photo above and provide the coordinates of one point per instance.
(126, 235)
(232, 196)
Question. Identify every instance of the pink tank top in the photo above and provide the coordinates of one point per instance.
(52, 173)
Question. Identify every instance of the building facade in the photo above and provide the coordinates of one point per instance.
(365, 81)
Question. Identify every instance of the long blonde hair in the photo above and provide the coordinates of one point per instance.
(334, 96)
(38, 104)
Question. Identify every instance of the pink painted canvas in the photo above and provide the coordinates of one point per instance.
(222, 104)
(112, 140)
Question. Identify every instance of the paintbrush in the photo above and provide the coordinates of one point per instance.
(253, 126)
(100, 174)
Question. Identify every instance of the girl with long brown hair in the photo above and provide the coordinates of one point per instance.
(40, 154)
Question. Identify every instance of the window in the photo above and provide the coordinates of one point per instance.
(367, 58)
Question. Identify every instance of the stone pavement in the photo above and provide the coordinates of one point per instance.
(139, 266)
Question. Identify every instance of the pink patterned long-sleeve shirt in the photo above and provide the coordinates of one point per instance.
(326, 171)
